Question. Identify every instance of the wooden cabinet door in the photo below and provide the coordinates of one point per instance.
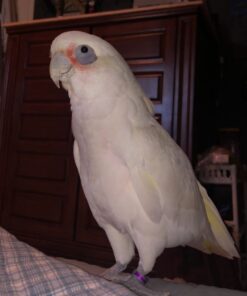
(40, 181)
(149, 48)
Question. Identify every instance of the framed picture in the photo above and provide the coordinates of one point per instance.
(66, 7)
(51, 8)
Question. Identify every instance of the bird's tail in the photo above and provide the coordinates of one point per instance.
(222, 244)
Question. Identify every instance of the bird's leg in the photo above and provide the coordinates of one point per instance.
(137, 283)
(123, 249)
(140, 276)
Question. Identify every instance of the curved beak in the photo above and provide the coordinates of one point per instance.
(59, 67)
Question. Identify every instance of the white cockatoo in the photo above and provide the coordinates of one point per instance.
(139, 184)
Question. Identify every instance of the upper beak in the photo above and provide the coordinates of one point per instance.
(59, 67)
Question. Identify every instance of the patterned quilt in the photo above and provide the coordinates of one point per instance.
(27, 272)
(24, 271)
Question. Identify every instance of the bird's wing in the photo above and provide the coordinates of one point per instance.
(160, 174)
(148, 193)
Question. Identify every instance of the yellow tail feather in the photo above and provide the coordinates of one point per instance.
(224, 244)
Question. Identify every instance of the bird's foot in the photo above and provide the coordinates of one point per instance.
(114, 273)
(136, 283)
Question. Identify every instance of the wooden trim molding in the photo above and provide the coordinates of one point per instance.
(103, 17)
(184, 83)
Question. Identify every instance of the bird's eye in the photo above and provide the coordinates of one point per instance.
(84, 49)
(85, 54)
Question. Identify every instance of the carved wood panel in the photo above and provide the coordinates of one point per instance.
(41, 179)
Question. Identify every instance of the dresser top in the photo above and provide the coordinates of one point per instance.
(103, 17)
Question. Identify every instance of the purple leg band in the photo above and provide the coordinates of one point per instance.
(141, 278)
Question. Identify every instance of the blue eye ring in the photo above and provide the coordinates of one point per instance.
(85, 54)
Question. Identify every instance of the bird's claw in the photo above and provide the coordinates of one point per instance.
(114, 273)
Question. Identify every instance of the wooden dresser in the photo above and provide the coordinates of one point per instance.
(40, 194)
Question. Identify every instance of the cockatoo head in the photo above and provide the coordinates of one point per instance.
(87, 57)
(74, 50)
(93, 72)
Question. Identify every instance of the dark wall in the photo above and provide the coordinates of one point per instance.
(229, 106)
(207, 87)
